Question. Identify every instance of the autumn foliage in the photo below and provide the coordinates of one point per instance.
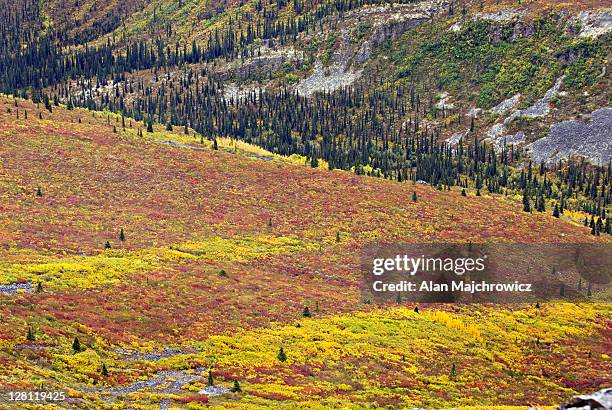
(188, 212)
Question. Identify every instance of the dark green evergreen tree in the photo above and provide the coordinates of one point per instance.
(526, 202)
(236, 387)
(540, 203)
(30, 336)
(281, 356)
(76, 345)
(599, 227)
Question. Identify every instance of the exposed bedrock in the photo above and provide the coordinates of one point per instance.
(591, 139)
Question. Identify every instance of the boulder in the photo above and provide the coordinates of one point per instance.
(601, 400)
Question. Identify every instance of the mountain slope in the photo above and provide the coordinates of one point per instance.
(218, 242)
(189, 190)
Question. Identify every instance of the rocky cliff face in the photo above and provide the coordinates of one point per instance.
(362, 32)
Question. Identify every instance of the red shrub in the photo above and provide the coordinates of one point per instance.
(193, 399)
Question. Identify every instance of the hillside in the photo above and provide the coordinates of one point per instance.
(192, 195)
(225, 247)
(507, 72)
(374, 88)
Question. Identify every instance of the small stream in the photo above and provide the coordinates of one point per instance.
(13, 288)
(162, 382)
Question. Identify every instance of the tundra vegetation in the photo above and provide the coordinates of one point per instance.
(285, 321)
(167, 242)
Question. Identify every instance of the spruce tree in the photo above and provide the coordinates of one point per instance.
(526, 202)
(541, 204)
(104, 370)
(47, 103)
(414, 196)
(211, 381)
(281, 356)
(599, 226)
(107, 245)
(556, 211)
(306, 312)
(122, 235)
(236, 387)
(30, 336)
(314, 162)
(76, 345)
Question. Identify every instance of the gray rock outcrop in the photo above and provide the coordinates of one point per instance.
(591, 139)
(601, 400)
